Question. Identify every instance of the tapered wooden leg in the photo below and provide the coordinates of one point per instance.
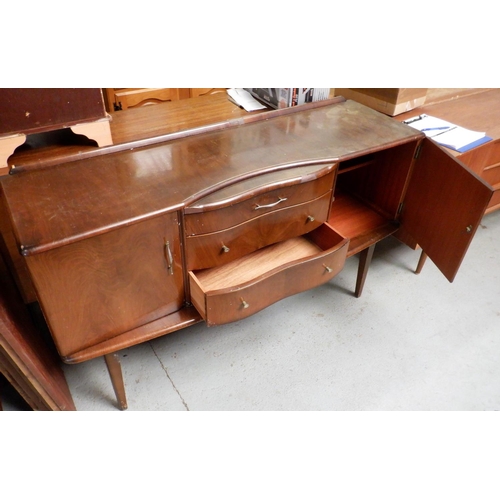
(421, 262)
(365, 257)
(115, 372)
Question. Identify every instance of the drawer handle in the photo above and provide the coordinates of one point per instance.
(168, 256)
(257, 207)
(244, 303)
(225, 249)
(310, 218)
(328, 269)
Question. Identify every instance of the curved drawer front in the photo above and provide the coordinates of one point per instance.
(211, 220)
(248, 285)
(215, 249)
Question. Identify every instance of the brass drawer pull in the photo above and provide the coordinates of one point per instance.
(244, 303)
(310, 218)
(168, 256)
(225, 249)
(328, 269)
(257, 207)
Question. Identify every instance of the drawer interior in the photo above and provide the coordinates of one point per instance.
(255, 265)
(263, 273)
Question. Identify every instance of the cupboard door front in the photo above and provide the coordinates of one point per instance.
(97, 288)
(443, 206)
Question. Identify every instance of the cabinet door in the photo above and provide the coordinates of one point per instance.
(443, 206)
(105, 285)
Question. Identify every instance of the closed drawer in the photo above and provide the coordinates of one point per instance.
(494, 203)
(236, 204)
(215, 249)
(243, 287)
(491, 174)
(479, 159)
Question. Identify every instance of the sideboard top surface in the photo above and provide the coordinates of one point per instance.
(68, 202)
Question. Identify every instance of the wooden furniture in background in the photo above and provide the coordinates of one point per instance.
(146, 238)
(26, 112)
(205, 91)
(126, 98)
(26, 361)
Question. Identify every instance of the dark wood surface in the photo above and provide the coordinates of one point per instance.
(125, 271)
(26, 360)
(449, 197)
(37, 110)
(135, 128)
(126, 187)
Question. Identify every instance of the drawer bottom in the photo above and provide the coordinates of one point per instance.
(247, 285)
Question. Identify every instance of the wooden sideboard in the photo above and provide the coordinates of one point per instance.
(216, 222)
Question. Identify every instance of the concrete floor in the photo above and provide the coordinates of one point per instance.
(410, 342)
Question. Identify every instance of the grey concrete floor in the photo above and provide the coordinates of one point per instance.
(410, 342)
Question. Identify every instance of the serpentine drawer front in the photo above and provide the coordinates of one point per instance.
(245, 244)
(219, 211)
(237, 221)
(247, 285)
(214, 249)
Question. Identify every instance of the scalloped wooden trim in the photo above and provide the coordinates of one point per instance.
(99, 131)
(8, 144)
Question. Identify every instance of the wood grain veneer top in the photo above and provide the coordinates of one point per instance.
(65, 203)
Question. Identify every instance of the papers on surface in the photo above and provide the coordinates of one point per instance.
(243, 98)
(448, 134)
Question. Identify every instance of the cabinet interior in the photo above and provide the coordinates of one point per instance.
(368, 194)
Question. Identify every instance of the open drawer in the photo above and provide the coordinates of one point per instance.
(240, 288)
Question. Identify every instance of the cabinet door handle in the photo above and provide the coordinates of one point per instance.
(257, 207)
(168, 256)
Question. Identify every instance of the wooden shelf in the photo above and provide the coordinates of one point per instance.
(358, 222)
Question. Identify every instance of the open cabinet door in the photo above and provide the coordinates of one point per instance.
(443, 206)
